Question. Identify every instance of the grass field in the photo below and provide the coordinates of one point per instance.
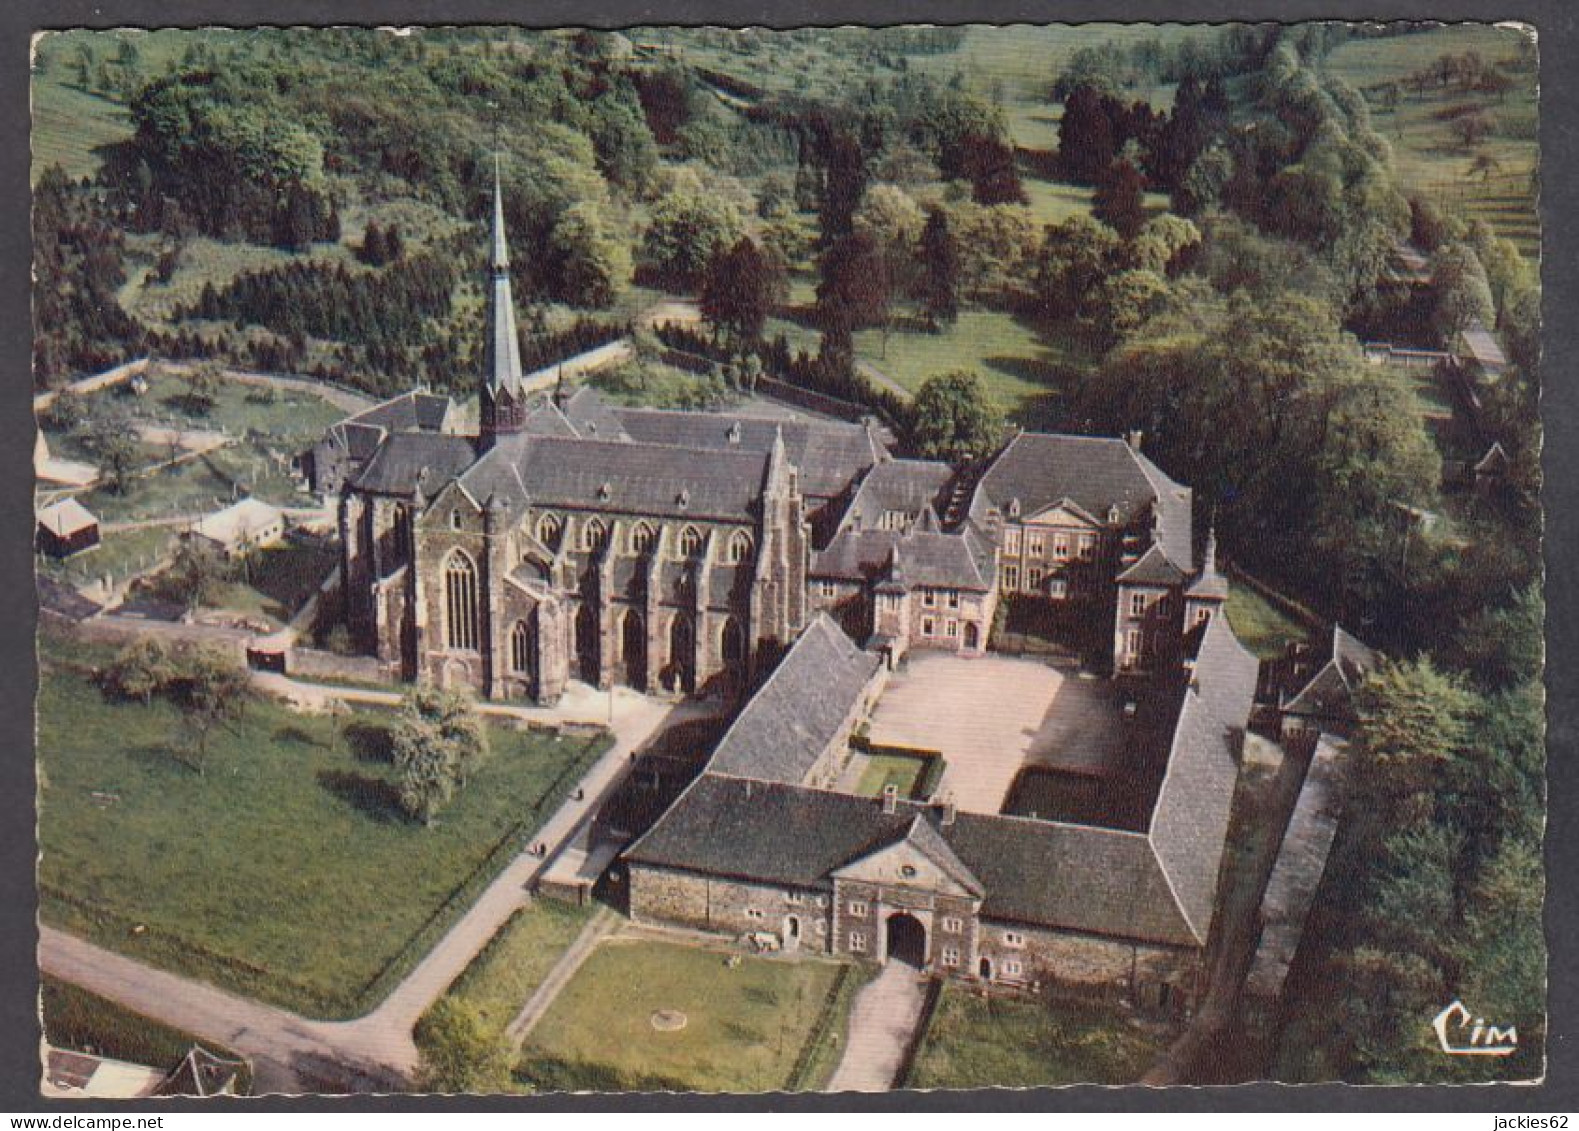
(981, 1043)
(504, 975)
(745, 1027)
(899, 770)
(285, 870)
(1260, 627)
(118, 555)
(75, 1019)
(69, 124)
(1426, 153)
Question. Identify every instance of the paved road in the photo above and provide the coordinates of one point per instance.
(883, 1022)
(374, 1052)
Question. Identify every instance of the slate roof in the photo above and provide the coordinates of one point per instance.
(929, 558)
(1189, 822)
(415, 411)
(800, 708)
(640, 478)
(1330, 691)
(237, 522)
(402, 458)
(1094, 473)
(1152, 568)
(1481, 345)
(829, 454)
(592, 416)
(1157, 886)
(908, 485)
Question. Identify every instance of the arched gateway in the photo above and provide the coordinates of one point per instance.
(907, 940)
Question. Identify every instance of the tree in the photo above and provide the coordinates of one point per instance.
(954, 419)
(141, 669)
(1473, 128)
(894, 220)
(594, 267)
(202, 386)
(110, 438)
(740, 291)
(938, 287)
(212, 690)
(1119, 200)
(1461, 294)
(1126, 300)
(1086, 144)
(458, 1051)
(67, 412)
(687, 229)
(439, 741)
(1075, 257)
(1414, 721)
(1162, 244)
(855, 288)
(195, 576)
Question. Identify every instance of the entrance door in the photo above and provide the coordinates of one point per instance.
(682, 655)
(986, 969)
(633, 646)
(907, 940)
(587, 643)
(791, 932)
(972, 636)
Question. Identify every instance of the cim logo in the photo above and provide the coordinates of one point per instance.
(1460, 1033)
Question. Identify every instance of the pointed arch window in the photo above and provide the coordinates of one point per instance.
(690, 542)
(521, 648)
(593, 535)
(739, 547)
(548, 531)
(642, 538)
(460, 601)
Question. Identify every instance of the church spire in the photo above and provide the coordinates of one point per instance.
(501, 394)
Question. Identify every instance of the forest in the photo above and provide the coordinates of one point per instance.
(1195, 232)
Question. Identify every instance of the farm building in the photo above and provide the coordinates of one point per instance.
(66, 528)
(241, 527)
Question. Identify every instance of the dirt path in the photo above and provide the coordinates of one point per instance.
(883, 1022)
(882, 380)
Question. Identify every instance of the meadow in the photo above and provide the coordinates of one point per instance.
(285, 869)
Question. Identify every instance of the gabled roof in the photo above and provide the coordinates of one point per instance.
(1152, 568)
(930, 558)
(800, 709)
(65, 518)
(912, 486)
(593, 416)
(1329, 693)
(415, 411)
(828, 454)
(620, 475)
(237, 522)
(1481, 346)
(1097, 474)
(401, 460)
(1189, 822)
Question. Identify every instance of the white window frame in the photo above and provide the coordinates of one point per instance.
(953, 598)
(1088, 547)
(929, 598)
(1061, 547)
(951, 629)
(794, 897)
(1137, 604)
(1011, 578)
(857, 907)
(1011, 540)
(953, 924)
(929, 626)
(1013, 967)
(1058, 588)
(1035, 543)
(1033, 578)
(1203, 615)
(951, 956)
(827, 589)
(857, 942)
(1013, 939)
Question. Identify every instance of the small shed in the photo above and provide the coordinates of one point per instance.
(66, 528)
(1480, 351)
(240, 528)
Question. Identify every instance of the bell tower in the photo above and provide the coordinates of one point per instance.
(503, 400)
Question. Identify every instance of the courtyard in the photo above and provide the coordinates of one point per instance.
(992, 717)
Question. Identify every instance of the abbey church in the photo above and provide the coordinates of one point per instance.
(568, 538)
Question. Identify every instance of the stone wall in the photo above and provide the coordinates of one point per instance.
(1082, 963)
(658, 895)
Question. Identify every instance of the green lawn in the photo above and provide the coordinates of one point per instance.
(1426, 153)
(745, 1026)
(279, 414)
(503, 976)
(119, 554)
(75, 1019)
(284, 871)
(1259, 626)
(69, 125)
(900, 770)
(982, 1043)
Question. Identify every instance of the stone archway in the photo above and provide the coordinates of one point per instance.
(907, 940)
(633, 649)
(681, 674)
(587, 644)
(972, 636)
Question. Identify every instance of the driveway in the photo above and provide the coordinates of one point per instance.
(883, 1023)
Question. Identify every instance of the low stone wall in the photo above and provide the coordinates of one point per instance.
(312, 663)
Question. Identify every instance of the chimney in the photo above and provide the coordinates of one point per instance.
(748, 789)
(950, 811)
(890, 798)
(1134, 437)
